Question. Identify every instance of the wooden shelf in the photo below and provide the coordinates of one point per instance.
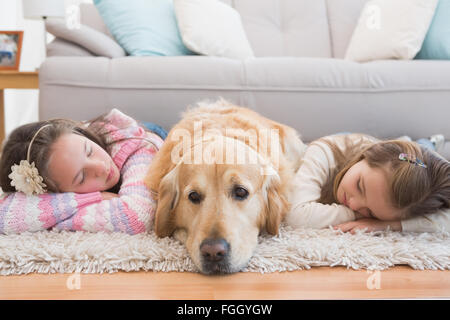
(14, 80)
(19, 80)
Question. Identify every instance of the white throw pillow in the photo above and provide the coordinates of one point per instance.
(212, 28)
(391, 29)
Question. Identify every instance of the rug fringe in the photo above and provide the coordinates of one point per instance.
(299, 249)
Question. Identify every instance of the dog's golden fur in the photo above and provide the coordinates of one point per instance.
(216, 200)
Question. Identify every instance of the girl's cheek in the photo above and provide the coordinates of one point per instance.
(94, 187)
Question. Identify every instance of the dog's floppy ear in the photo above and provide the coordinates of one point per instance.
(161, 165)
(168, 196)
(164, 185)
(275, 206)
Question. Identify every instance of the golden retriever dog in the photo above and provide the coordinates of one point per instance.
(221, 177)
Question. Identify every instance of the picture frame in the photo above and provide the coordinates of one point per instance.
(10, 49)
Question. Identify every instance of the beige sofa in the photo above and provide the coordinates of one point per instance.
(298, 77)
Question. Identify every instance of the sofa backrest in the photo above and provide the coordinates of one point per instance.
(89, 16)
(343, 16)
(298, 28)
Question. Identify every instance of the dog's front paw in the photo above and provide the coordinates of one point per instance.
(180, 235)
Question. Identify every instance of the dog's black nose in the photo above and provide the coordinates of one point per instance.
(214, 250)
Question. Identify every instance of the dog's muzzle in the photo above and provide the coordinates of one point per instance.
(215, 255)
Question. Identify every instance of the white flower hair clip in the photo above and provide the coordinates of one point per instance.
(25, 176)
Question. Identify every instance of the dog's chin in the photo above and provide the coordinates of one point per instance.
(223, 267)
(215, 268)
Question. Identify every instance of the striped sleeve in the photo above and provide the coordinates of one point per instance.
(133, 211)
(20, 213)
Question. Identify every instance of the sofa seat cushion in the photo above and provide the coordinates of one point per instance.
(316, 96)
(144, 72)
(279, 73)
(336, 74)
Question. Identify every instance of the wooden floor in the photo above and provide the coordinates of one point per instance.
(317, 283)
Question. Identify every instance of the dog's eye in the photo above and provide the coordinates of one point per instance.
(194, 197)
(240, 193)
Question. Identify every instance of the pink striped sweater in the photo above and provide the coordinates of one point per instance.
(132, 212)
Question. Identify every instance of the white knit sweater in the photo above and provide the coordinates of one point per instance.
(313, 174)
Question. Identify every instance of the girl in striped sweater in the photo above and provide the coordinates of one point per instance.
(65, 175)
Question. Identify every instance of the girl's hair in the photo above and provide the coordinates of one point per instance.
(413, 189)
(16, 147)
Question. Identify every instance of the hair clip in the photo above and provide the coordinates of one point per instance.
(25, 176)
(410, 159)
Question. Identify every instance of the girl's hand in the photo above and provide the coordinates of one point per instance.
(370, 224)
(108, 195)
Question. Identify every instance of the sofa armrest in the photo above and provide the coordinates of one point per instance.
(86, 37)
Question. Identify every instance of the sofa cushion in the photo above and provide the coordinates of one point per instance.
(343, 16)
(297, 28)
(316, 96)
(143, 28)
(437, 41)
(89, 16)
(212, 28)
(282, 74)
(273, 27)
(86, 37)
(390, 29)
(60, 47)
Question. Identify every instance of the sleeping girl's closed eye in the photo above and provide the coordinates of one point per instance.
(82, 166)
(365, 189)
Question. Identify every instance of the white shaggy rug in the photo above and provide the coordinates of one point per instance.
(68, 252)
